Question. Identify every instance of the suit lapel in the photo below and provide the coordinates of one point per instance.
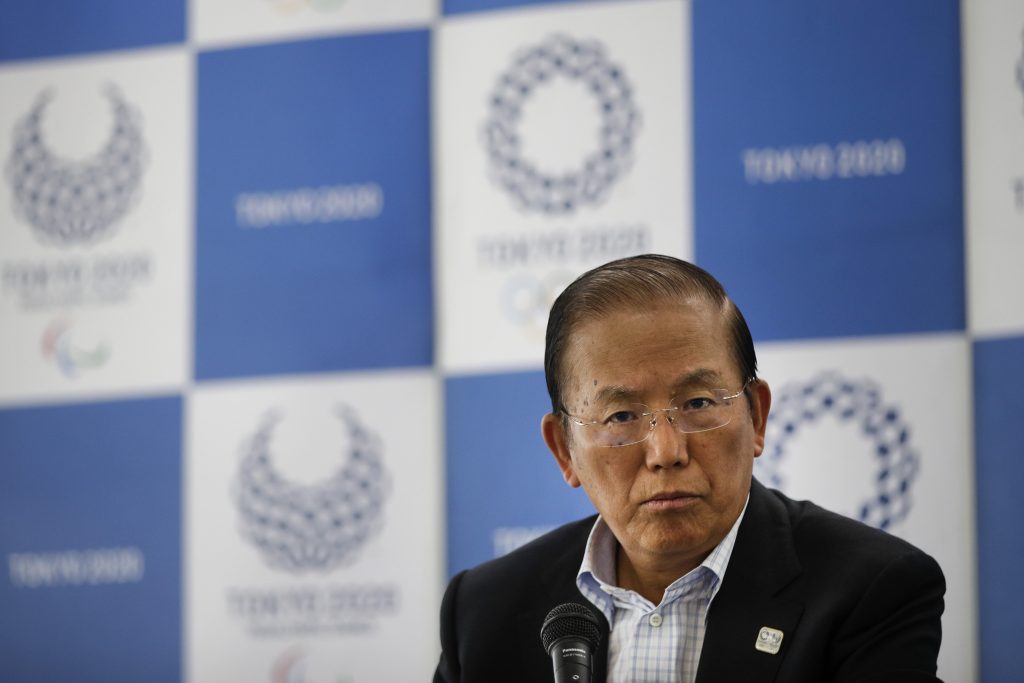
(763, 562)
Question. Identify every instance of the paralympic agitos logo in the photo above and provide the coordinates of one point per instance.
(318, 526)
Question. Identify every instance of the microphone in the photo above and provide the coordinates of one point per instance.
(570, 634)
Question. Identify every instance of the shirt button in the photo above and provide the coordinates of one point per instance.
(654, 620)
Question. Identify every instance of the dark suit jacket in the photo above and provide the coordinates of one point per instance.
(853, 603)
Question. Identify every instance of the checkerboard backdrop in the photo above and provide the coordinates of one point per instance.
(274, 277)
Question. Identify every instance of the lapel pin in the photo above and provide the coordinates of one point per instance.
(768, 640)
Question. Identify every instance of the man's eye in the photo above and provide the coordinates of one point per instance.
(699, 403)
(620, 417)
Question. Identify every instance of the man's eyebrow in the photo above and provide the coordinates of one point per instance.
(616, 392)
(702, 377)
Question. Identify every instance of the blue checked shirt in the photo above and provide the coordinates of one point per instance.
(653, 643)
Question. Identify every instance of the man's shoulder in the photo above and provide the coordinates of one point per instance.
(823, 537)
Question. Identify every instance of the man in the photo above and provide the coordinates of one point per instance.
(694, 570)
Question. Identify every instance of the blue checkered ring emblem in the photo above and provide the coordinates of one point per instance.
(560, 193)
(859, 403)
(76, 202)
(319, 526)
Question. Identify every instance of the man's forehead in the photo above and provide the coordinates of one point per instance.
(628, 350)
(703, 377)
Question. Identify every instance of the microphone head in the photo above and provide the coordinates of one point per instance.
(570, 619)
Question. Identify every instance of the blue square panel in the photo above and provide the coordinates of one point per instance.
(46, 28)
(90, 539)
(999, 403)
(504, 486)
(313, 207)
(827, 152)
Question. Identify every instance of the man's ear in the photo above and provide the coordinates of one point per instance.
(760, 403)
(553, 431)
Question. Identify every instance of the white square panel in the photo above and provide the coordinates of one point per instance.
(561, 142)
(216, 23)
(95, 225)
(313, 529)
(993, 76)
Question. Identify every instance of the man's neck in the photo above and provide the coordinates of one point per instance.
(651, 580)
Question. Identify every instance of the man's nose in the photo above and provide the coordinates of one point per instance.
(666, 445)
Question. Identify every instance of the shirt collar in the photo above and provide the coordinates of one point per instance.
(596, 578)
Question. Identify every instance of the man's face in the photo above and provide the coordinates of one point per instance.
(670, 499)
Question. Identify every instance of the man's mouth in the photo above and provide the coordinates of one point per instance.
(670, 500)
